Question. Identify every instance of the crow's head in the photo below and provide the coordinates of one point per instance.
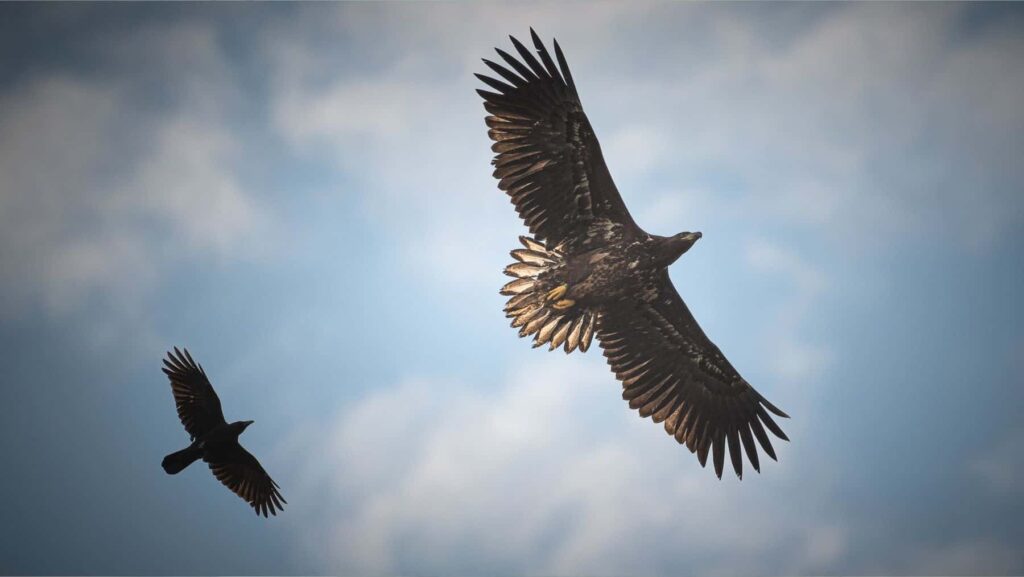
(239, 426)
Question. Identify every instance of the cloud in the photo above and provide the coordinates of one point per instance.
(718, 123)
(793, 358)
(549, 473)
(832, 128)
(791, 133)
(188, 181)
(864, 125)
(405, 124)
(1001, 467)
(47, 150)
(973, 557)
(772, 258)
(102, 191)
(637, 148)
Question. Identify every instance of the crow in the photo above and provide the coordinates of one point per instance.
(589, 270)
(213, 439)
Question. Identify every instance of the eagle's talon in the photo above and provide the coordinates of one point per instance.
(557, 292)
(563, 304)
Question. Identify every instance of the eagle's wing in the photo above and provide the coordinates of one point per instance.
(672, 372)
(197, 403)
(239, 471)
(548, 159)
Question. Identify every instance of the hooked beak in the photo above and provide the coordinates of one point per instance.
(674, 247)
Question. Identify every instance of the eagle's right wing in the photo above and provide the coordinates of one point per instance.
(672, 372)
(548, 159)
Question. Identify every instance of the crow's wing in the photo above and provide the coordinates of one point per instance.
(548, 159)
(672, 372)
(197, 402)
(239, 471)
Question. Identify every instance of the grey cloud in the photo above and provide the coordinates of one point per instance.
(797, 138)
(434, 476)
(101, 191)
(975, 557)
(1001, 466)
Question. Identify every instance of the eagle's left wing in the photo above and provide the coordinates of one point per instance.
(548, 158)
(672, 372)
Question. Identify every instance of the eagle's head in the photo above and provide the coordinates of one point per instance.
(670, 248)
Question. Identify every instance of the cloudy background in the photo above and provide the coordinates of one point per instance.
(302, 196)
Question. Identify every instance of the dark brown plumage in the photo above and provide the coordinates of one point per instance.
(213, 439)
(590, 269)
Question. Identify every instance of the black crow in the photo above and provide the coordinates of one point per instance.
(213, 439)
(590, 269)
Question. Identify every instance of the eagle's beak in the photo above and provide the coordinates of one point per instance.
(693, 236)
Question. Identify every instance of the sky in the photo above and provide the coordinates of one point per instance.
(302, 196)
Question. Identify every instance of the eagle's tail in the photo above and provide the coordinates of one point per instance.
(533, 304)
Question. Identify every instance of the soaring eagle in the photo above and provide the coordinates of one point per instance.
(213, 439)
(589, 269)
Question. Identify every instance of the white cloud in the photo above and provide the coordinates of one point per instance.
(418, 163)
(100, 193)
(793, 358)
(408, 126)
(868, 123)
(188, 181)
(829, 131)
(550, 473)
(872, 123)
(636, 149)
(349, 113)
(772, 258)
(665, 212)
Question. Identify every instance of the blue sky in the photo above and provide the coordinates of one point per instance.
(301, 194)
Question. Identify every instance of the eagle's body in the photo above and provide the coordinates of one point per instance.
(591, 270)
(621, 267)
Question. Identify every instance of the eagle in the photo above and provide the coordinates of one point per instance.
(213, 439)
(589, 270)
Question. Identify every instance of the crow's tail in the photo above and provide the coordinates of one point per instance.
(176, 462)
